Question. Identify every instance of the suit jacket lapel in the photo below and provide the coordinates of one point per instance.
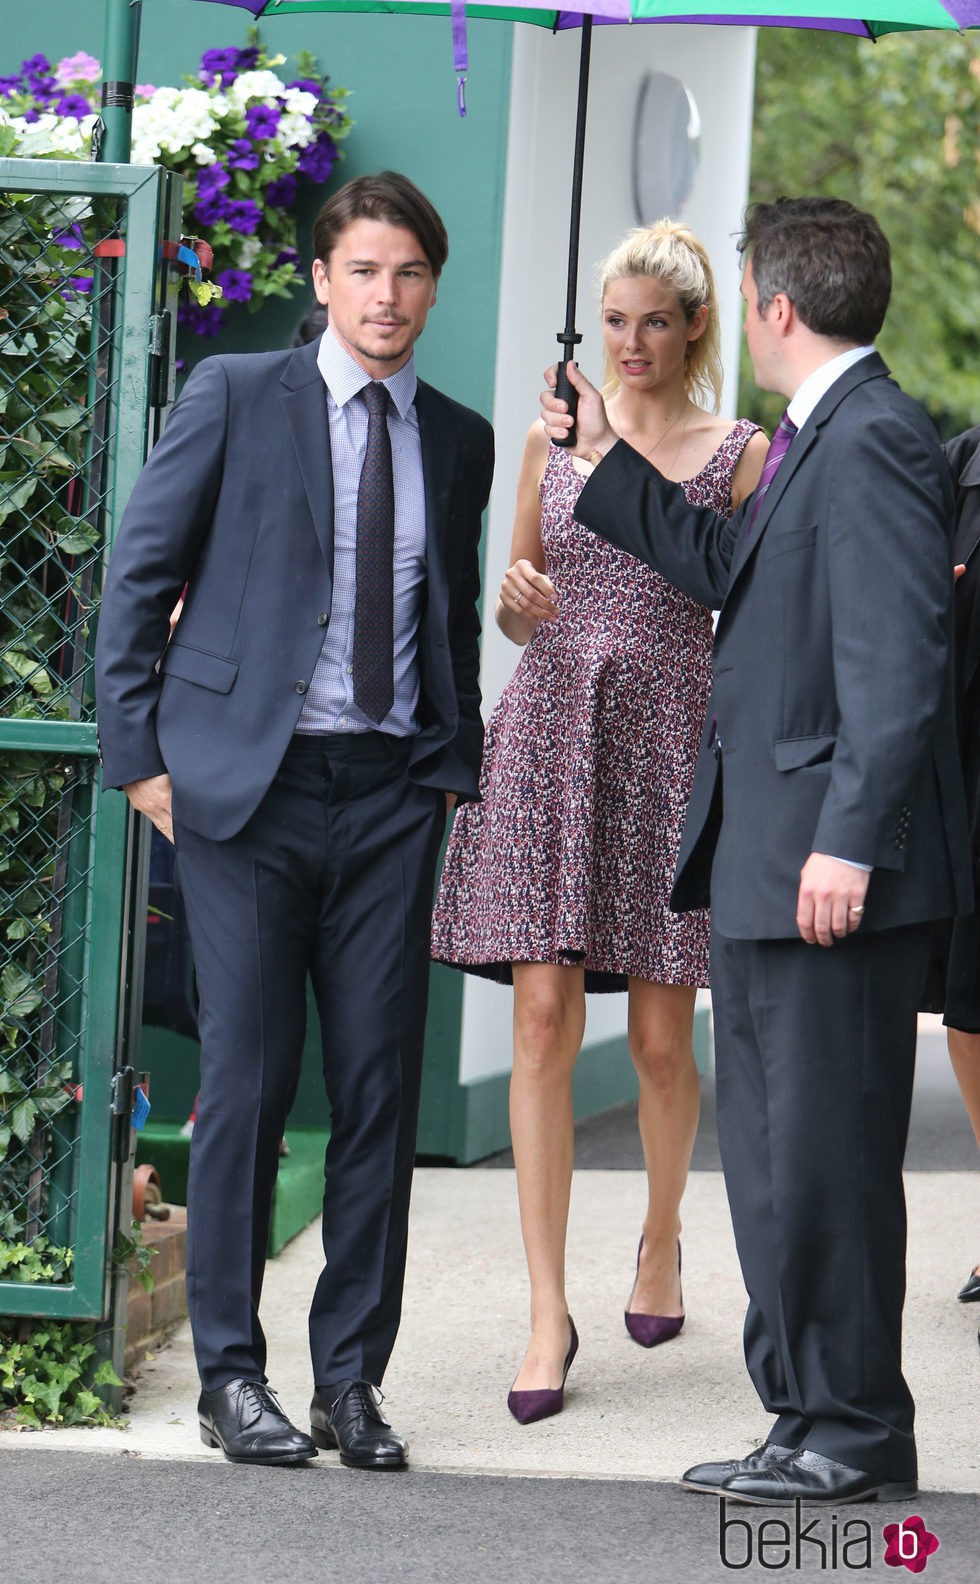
(749, 536)
(968, 526)
(304, 405)
(871, 367)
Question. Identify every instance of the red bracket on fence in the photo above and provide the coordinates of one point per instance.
(177, 253)
(112, 247)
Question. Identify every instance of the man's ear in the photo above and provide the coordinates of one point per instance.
(321, 282)
(781, 312)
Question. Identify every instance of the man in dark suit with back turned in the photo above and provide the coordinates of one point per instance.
(315, 714)
(827, 827)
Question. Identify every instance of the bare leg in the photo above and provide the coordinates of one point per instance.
(549, 1022)
(964, 1054)
(661, 1019)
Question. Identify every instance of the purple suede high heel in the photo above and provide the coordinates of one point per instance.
(650, 1330)
(527, 1406)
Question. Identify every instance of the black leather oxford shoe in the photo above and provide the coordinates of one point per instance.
(346, 1416)
(809, 1477)
(711, 1476)
(245, 1420)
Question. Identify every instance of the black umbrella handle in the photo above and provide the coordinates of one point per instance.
(567, 392)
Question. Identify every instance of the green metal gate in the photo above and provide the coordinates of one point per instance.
(86, 341)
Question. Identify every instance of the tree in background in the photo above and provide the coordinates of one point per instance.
(893, 128)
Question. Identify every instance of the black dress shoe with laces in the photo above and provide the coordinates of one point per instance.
(809, 1477)
(346, 1417)
(711, 1476)
(245, 1420)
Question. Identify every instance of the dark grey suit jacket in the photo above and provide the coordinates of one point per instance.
(236, 501)
(831, 727)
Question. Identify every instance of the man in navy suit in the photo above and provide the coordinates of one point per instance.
(300, 740)
(826, 827)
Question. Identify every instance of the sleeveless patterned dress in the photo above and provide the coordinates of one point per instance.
(569, 857)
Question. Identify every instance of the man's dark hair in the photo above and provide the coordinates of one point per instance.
(387, 196)
(831, 260)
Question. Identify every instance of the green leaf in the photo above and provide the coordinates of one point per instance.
(22, 1120)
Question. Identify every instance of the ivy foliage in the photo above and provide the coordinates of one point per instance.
(49, 1373)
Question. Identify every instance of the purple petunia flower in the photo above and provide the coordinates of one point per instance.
(32, 115)
(242, 156)
(203, 321)
(75, 105)
(307, 85)
(72, 238)
(317, 160)
(9, 85)
(221, 63)
(262, 121)
(243, 215)
(213, 207)
(287, 255)
(246, 59)
(77, 285)
(211, 179)
(36, 64)
(281, 193)
(44, 90)
(236, 285)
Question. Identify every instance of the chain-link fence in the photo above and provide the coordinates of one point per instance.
(79, 278)
(57, 307)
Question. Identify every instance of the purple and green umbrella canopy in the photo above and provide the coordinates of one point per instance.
(867, 18)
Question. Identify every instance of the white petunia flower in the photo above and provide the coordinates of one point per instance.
(255, 85)
(296, 131)
(299, 102)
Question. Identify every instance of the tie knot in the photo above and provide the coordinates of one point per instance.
(376, 398)
(786, 425)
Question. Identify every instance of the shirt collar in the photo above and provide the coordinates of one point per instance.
(817, 384)
(344, 376)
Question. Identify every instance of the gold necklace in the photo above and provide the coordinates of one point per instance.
(658, 443)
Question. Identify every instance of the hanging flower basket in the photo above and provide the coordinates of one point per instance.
(244, 140)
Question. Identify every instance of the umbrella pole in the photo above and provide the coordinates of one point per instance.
(570, 337)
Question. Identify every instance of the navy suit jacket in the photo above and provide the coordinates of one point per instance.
(831, 726)
(236, 501)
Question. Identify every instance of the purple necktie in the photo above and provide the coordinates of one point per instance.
(778, 447)
(374, 600)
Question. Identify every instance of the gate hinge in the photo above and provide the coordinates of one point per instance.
(161, 368)
(123, 1086)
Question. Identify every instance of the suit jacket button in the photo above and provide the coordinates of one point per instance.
(301, 687)
(321, 620)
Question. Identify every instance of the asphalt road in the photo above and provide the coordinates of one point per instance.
(92, 1518)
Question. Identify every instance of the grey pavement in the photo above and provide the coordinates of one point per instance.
(587, 1495)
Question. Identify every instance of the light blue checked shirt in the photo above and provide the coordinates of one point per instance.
(329, 704)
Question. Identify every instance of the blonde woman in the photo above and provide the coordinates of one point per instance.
(558, 881)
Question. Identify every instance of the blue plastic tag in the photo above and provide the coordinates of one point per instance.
(141, 1110)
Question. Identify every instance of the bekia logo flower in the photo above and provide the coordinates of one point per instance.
(909, 1544)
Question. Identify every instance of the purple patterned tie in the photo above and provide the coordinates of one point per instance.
(374, 601)
(778, 447)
